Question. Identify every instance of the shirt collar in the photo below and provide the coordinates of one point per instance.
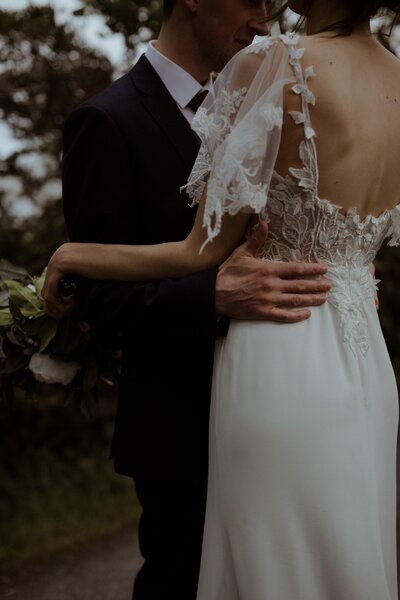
(180, 84)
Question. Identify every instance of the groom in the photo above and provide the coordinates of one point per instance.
(127, 151)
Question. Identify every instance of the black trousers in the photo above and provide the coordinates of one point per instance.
(170, 538)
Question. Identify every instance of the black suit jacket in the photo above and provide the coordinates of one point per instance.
(127, 151)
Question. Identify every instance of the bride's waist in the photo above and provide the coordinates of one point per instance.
(352, 282)
(354, 279)
(338, 271)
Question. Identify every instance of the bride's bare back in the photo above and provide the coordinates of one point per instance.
(356, 118)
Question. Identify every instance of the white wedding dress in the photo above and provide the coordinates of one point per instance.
(301, 499)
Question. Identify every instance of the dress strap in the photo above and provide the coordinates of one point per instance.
(308, 176)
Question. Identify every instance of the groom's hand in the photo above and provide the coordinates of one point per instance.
(250, 289)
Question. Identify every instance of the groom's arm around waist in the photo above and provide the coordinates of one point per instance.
(108, 179)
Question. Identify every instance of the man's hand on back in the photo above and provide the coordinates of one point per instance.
(251, 289)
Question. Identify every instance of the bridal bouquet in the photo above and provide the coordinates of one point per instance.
(36, 348)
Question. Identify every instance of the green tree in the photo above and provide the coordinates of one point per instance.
(48, 71)
(135, 20)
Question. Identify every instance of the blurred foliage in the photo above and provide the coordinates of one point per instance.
(31, 243)
(137, 21)
(46, 71)
(45, 74)
(57, 487)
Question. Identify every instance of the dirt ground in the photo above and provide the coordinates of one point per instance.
(103, 570)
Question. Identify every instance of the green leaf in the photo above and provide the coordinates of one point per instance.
(14, 310)
(6, 317)
(4, 296)
(38, 282)
(10, 271)
(44, 328)
(26, 300)
(48, 334)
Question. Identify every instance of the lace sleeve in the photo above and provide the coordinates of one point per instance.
(394, 232)
(239, 125)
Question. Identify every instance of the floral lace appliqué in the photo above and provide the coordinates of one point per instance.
(241, 191)
(212, 129)
(304, 227)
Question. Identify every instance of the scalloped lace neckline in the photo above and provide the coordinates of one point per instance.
(332, 207)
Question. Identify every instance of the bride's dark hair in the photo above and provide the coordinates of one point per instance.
(360, 11)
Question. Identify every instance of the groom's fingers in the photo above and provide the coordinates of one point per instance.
(57, 310)
(293, 270)
(296, 301)
(54, 305)
(286, 316)
(303, 286)
(248, 288)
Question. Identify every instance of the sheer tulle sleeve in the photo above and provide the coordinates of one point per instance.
(394, 233)
(239, 125)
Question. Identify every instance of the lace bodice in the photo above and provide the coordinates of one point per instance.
(302, 226)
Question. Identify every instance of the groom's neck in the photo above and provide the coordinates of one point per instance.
(177, 42)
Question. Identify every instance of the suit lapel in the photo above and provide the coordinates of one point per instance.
(163, 109)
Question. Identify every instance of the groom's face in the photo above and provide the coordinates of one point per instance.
(223, 27)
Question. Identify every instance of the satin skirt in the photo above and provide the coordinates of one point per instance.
(301, 499)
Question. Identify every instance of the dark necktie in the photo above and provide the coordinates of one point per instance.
(197, 100)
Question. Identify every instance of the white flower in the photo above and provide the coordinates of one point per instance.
(272, 115)
(302, 89)
(298, 117)
(309, 72)
(295, 53)
(202, 123)
(50, 370)
(261, 46)
(291, 39)
(309, 132)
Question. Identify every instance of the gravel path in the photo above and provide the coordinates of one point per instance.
(104, 571)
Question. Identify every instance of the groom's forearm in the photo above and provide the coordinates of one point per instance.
(183, 308)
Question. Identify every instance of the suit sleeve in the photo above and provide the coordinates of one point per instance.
(100, 206)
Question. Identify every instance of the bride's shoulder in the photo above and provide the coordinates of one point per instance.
(316, 49)
(324, 54)
(274, 42)
(258, 58)
(325, 49)
(283, 47)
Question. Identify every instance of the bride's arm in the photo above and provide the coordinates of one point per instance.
(144, 263)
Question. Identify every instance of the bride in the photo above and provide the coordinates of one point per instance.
(302, 132)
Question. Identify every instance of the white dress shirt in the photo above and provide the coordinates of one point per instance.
(180, 84)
